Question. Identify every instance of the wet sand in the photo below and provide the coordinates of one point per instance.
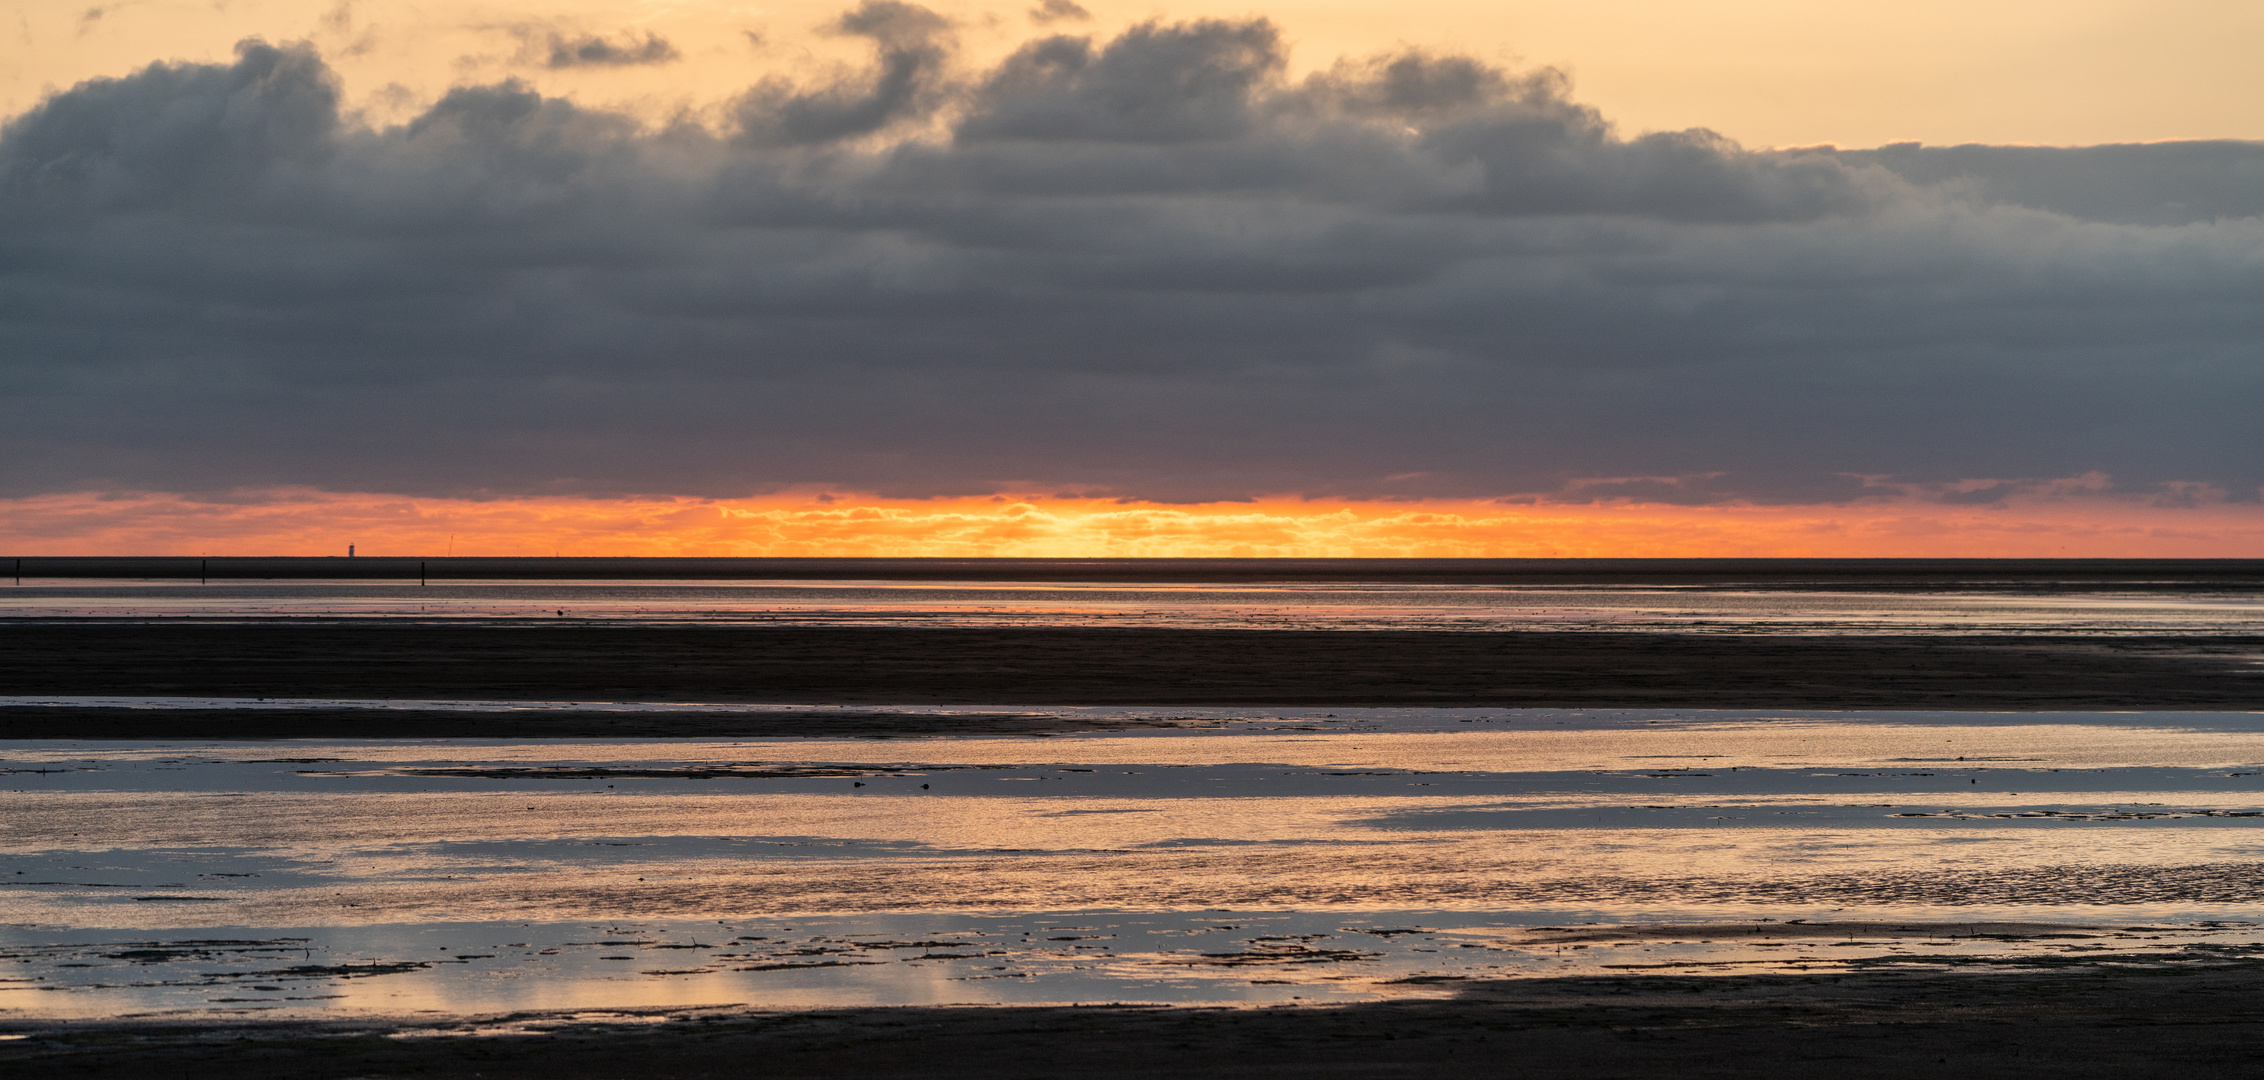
(1038, 666)
(2080, 1021)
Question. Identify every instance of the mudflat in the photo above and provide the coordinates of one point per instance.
(1113, 666)
(2073, 1023)
(2064, 1020)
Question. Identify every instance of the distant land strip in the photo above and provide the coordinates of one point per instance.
(2239, 575)
(1116, 666)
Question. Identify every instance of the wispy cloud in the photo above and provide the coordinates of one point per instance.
(554, 49)
(1048, 11)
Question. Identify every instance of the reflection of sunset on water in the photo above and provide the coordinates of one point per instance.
(1191, 605)
(1317, 854)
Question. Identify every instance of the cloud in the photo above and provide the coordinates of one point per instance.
(1149, 265)
(1155, 84)
(1059, 11)
(2141, 184)
(555, 50)
(906, 82)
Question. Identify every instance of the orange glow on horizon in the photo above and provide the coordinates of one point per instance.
(302, 522)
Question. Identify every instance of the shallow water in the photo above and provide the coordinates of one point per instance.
(460, 875)
(1237, 606)
(447, 970)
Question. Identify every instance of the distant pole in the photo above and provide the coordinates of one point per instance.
(349, 551)
(420, 573)
(200, 570)
(19, 571)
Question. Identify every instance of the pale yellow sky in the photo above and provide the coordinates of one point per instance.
(1765, 72)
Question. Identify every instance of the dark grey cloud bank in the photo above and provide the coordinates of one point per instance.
(1151, 266)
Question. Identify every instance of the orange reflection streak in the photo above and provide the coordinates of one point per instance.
(303, 522)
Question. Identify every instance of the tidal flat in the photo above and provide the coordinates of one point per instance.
(1237, 856)
(327, 848)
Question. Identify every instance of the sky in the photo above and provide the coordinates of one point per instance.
(1639, 278)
